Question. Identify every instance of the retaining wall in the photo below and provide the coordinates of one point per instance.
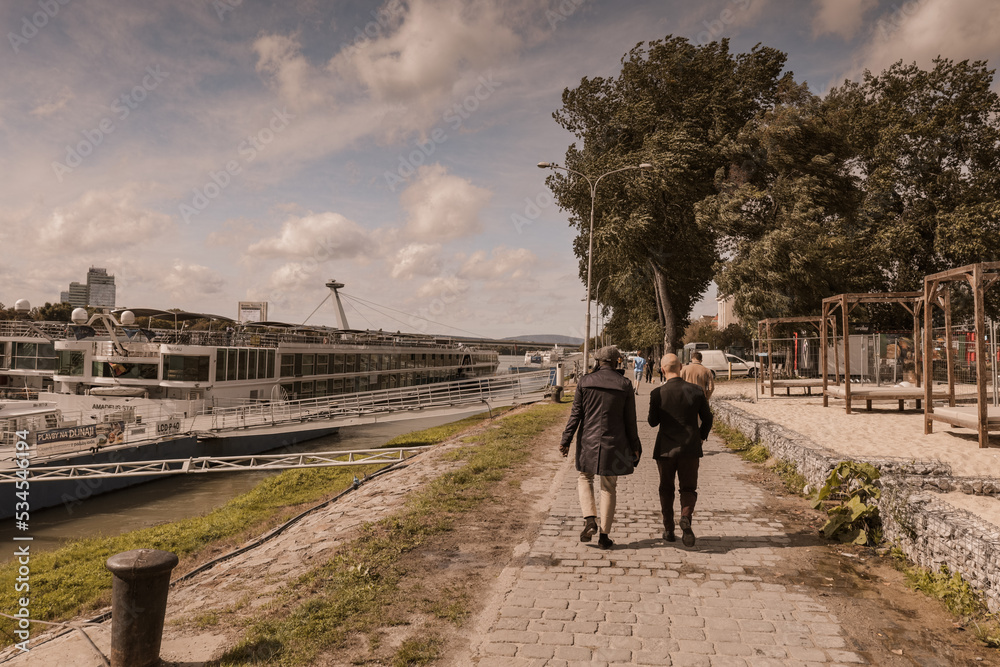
(931, 533)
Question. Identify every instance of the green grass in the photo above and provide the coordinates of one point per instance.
(73, 579)
(356, 591)
(955, 594)
(755, 452)
(437, 434)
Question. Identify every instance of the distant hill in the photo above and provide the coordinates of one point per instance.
(548, 338)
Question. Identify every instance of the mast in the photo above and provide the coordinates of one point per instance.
(341, 317)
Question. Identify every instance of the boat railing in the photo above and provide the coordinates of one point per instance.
(440, 394)
(24, 329)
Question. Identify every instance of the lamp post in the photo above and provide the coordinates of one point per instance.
(597, 330)
(590, 248)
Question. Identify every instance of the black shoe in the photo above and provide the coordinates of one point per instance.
(687, 535)
(669, 536)
(604, 541)
(589, 529)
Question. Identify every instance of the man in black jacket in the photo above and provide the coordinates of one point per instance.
(677, 407)
(607, 439)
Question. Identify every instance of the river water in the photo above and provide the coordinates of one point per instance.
(185, 496)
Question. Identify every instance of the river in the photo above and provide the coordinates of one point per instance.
(185, 496)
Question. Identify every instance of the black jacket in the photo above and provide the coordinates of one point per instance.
(676, 406)
(603, 418)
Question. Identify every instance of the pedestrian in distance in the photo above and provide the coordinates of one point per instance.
(607, 440)
(649, 372)
(640, 364)
(681, 411)
(697, 374)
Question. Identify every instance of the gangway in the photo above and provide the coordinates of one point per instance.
(356, 457)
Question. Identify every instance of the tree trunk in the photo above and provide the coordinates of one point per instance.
(665, 308)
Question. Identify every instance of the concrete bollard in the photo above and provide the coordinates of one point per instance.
(141, 579)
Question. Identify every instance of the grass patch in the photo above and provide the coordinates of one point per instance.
(416, 652)
(789, 473)
(73, 579)
(755, 452)
(955, 594)
(358, 591)
(438, 434)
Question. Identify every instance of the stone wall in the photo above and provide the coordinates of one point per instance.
(931, 533)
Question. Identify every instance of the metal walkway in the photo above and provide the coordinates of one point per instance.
(355, 457)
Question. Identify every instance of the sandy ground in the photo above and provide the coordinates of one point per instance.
(882, 433)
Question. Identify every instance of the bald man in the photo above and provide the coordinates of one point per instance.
(681, 411)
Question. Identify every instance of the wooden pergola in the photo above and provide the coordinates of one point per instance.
(913, 303)
(979, 276)
(764, 328)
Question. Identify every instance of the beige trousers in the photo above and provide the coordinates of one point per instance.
(585, 485)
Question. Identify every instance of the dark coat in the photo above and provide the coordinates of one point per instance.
(676, 407)
(603, 418)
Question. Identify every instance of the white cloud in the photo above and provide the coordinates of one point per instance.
(319, 237)
(297, 82)
(920, 30)
(416, 259)
(840, 17)
(101, 220)
(184, 281)
(442, 207)
(501, 263)
(59, 103)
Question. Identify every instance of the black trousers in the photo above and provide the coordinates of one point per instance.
(686, 471)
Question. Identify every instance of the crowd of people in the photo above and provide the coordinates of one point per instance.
(603, 420)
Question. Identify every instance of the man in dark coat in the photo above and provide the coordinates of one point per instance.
(677, 407)
(607, 439)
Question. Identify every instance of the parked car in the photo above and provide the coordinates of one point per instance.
(718, 362)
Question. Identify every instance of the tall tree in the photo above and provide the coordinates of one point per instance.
(675, 105)
(786, 212)
(928, 151)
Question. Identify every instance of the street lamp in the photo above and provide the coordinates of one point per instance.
(597, 331)
(590, 248)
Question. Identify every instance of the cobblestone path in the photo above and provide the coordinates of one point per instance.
(650, 602)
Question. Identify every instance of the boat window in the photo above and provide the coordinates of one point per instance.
(350, 365)
(252, 366)
(338, 363)
(349, 384)
(363, 383)
(270, 363)
(220, 364)
(298, 365)
(287, 365)
(182, 368)
(338, 385)
(307, 390)
(231, 364)
(362, 364)
(322, 364)
(241, 374)
(262, 356)
(70, 362)
(394, 363)
(308, 364)
(321, 387)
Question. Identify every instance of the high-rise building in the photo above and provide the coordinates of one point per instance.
(101, 287)
(99, 291)
(78, 295)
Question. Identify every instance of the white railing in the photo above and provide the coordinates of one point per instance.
(441, 394)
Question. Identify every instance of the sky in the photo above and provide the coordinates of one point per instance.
(211, 151)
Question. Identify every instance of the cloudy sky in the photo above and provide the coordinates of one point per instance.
(212, 151)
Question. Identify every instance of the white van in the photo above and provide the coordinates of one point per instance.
(718, 362)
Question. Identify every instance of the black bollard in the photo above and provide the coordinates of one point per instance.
(141, 579)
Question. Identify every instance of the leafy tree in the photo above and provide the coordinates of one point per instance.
(53, 312)
(928, 151)
(675, 105)
(786, 212)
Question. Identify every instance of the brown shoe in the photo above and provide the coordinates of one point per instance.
(669, 536)
(687, 535)
(589, 529)
(604, 541)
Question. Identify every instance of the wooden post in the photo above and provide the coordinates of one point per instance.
(918, 368)
(949, 354)
(845, 314)
(770, 360)
(822, 352)
(929, 298)
(980, 306)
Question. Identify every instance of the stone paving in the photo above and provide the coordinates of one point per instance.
(650, 602)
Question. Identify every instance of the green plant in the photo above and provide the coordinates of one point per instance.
(856, 518)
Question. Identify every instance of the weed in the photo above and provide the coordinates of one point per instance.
(855, 519)
(414, 652)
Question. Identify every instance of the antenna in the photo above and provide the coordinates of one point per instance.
(341, 317)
